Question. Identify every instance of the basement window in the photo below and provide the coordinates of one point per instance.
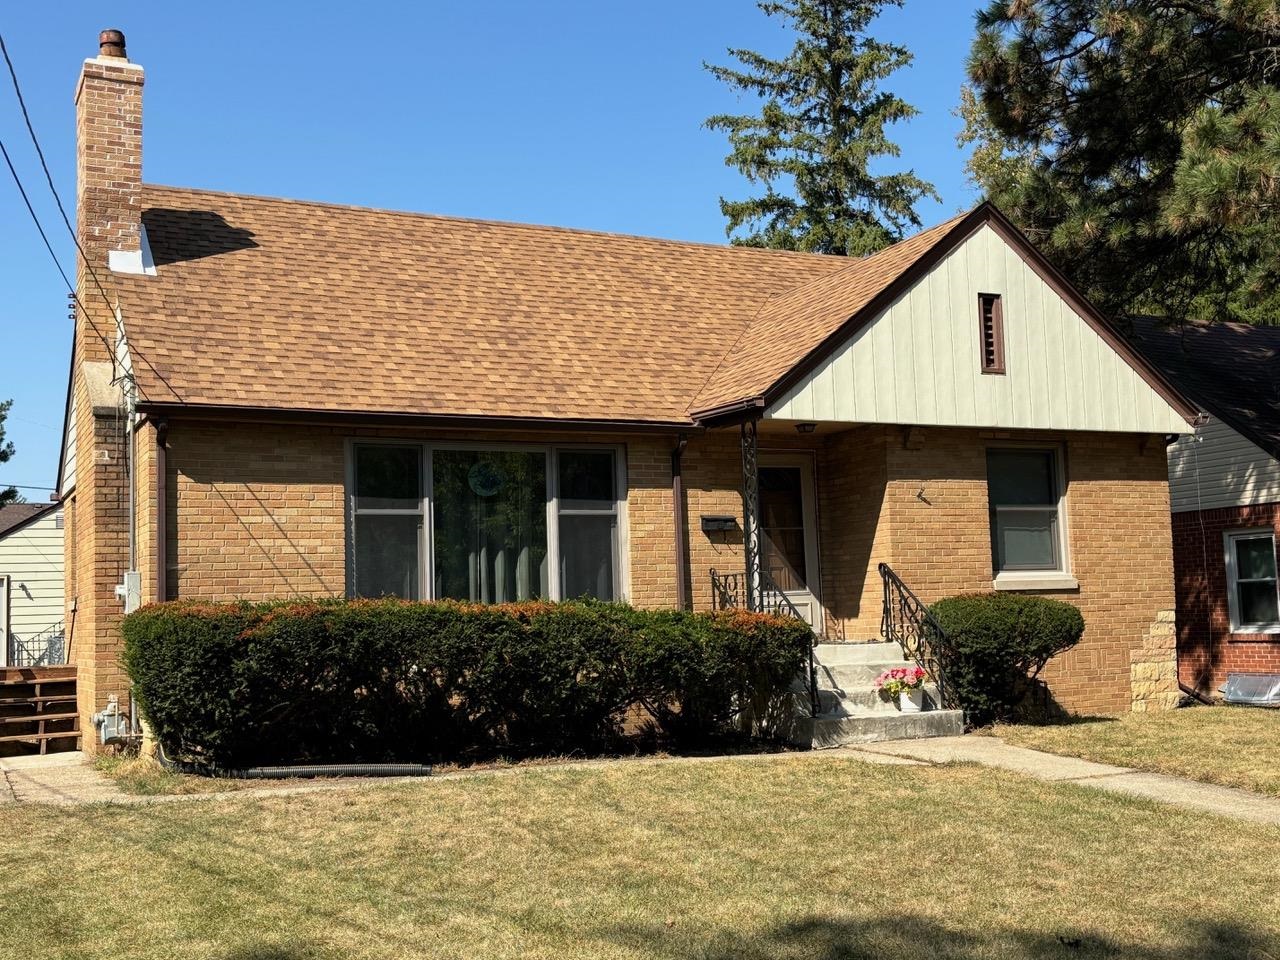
(991, 332)
(1251, 581)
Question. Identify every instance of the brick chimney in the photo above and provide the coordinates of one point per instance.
(108, 162)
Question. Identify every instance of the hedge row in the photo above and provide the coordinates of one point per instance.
(386, 680)
(996, 644)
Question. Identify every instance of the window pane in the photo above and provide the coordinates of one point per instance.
(1026, 540)
(586, 480)
(386, 556)
(1255, 558)
(388, 478)
(781, 502)
(1023, 477)
(1258, 602)
(490, 510)
(587, 550)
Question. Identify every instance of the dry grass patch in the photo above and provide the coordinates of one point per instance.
(145, 777)
(1232, 746)
(804, 856)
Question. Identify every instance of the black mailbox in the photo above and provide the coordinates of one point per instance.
(718, 524)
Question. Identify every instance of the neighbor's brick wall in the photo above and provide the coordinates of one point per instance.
(1208, 650)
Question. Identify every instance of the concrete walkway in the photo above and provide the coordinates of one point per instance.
(61, 778)
(994, 752)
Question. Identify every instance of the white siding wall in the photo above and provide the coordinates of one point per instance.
(31, 557)
(918, 362)
(1219, 468)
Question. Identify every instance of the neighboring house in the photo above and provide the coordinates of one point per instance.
(302, 399)
(31, 582)
(1225, 494)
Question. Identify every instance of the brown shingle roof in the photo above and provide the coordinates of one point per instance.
(14, 515)
(282, 304)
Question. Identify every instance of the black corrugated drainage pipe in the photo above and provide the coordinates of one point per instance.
(301, 771)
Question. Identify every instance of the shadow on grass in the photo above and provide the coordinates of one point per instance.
(300, 951)
(913, 935)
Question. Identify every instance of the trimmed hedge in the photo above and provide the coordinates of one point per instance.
(997, 643)
(243, 684)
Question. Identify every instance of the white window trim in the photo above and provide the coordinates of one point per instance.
(1229, 556)
(426, 555)
(1060, 578)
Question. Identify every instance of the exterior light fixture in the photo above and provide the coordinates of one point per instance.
(806, 427)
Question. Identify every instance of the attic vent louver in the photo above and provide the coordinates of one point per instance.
(991, 332)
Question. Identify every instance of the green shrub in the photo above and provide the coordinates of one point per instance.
(386, 680)
(996, 644)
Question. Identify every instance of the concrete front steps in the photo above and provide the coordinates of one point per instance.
(853, 710)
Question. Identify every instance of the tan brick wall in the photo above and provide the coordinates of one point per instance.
(108, 101)
(1119, 540)
(100, 556)
(854, 531)
(258, 512)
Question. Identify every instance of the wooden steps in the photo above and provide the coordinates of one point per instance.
(34, 714)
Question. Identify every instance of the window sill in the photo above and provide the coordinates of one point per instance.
(1255, 635)
(1034, 582)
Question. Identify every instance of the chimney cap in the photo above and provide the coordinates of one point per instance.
(111, 44)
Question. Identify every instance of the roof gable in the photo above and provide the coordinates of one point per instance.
(918, 359)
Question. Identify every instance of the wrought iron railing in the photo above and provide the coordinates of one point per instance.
(732, 591)
(907, 621)
(44, 649)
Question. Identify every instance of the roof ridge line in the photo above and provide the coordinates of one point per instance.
(489, 222)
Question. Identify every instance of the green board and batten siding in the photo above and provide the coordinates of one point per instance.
(918, 362)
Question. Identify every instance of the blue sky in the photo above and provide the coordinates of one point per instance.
(573, 112)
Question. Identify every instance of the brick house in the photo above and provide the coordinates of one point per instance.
(1224, 483)
(296, 399)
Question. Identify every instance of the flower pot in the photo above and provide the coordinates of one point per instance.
(911, 701)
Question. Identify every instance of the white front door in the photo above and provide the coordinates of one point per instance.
(788, 532)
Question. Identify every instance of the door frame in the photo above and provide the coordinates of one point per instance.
(805, 462)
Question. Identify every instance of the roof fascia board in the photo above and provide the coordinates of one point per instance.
(233, 412)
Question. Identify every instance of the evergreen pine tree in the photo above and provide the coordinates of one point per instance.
(7, 494)
(1139, 142)
(820, 126)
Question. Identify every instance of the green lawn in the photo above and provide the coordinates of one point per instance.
(1234, 746)
(783, 857)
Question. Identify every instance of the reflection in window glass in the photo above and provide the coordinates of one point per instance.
(490, 524)
(1022, 493)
